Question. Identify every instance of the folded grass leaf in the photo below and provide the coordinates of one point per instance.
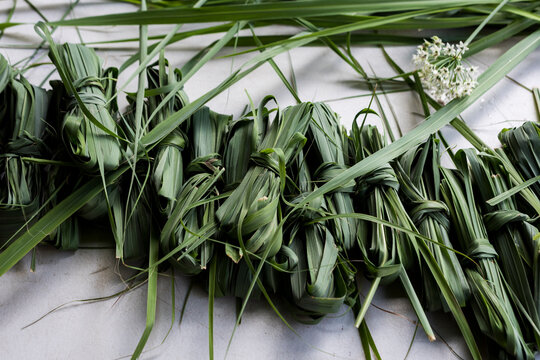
(255, 202)
(492, 304)
(419, 177)
(512, 236)
(23, 111)
(521, 145)
(387, 253)
(92, 146)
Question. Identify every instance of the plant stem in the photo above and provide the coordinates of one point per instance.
(484, 23)
(367, 301)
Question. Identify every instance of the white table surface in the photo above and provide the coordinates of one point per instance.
(111, 329)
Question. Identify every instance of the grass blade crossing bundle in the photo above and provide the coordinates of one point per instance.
(206, 131)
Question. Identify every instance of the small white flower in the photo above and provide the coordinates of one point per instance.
(441, 69)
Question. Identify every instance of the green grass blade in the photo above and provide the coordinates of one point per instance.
(265, 11)
(363, 24)
(495, 38)
(151, 301)
(367, 301)
(521, 12)
(211, 295)
(7, 22)
(536, 94)
(6, 25)
(484, 22)
(511, 192)
(169, 124)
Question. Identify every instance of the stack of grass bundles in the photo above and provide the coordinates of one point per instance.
(224, 195)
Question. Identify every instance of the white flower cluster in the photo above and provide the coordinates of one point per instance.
(442, 72)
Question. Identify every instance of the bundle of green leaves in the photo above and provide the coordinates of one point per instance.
(418, 171)
(492, 299)
(23, 113)
(387, 253)
(513, 235)
(282, 201)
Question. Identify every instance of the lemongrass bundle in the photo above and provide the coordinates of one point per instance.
(128, 205)
(250, 215)
(206, 132)
(522, 146)
(513, 236)
(177, 184)
(242, 140)
(88, 128)
(92, 148)
(326, 158)
(491, 302)
(319, 276)
(419, 178)
(168, 167)
(23, 112)
(387, 253)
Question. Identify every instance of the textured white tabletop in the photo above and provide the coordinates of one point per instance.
(111, 329)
